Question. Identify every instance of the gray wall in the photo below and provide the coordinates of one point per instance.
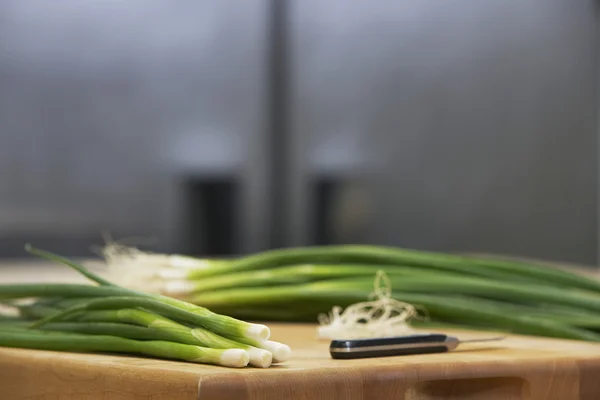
(462, 124)
(467, 125)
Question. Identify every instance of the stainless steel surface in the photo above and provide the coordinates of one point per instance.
(491, 339)
(453, 342)
(106, 105)
(460, 125)
(471, 124)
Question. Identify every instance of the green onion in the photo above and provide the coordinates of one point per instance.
(158, 328)
(62, 260)
(72, 342)
(488, 267)
(480, 314)
(403, 285)
(106, 328)
(170, 330)
(25, 290)
(221, 324)
(434, 297)
(110, 318)
(298, 284)
(203, 316)
(294, 274)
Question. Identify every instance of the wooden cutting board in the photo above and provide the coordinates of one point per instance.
(516, 368)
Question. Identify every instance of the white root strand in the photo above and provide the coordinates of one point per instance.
(381, 317)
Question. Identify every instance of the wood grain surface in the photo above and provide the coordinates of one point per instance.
(517, 368)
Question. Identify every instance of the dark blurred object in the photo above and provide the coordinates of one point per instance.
(211, 211)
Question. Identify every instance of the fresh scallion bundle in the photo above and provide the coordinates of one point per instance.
(299, 284)
(111, 318)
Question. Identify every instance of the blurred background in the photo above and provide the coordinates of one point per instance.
(221, 127)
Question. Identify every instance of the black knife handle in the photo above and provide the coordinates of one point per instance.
(385, 347)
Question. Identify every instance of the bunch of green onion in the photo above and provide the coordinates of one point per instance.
(113, 319)
(299, 284)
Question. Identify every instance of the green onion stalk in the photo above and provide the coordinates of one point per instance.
(75, 342)
(463, 311)
(154, 326)
(299, 284)
(110, 318)
(195, 269)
